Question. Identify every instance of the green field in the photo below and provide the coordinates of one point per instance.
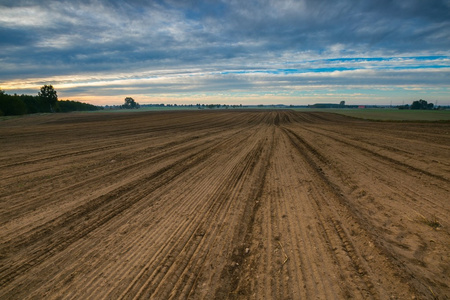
(391, 114)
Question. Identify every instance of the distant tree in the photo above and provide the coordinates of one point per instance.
(342, 104)
(130, 103)
(49, 96)
(421, 104)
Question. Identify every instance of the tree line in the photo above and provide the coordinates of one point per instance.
(46, 101)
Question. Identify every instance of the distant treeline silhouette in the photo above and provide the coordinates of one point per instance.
(11, 105)
(418, 104)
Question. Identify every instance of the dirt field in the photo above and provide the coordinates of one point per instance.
(223, 204)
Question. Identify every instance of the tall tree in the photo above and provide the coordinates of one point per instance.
(130, 103)
(49, 96)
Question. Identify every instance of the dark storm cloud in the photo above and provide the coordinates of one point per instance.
(73, 38)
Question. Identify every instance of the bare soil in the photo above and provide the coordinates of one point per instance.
(223, 205)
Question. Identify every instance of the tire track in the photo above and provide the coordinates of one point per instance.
(294, 250)
(192, 238)
(382, 237)
(242, 236)
(390, 160)
(204, 231)
(336, 208)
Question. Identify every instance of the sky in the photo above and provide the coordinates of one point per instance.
(293, 52)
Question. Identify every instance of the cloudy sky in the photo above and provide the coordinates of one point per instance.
(229, 51)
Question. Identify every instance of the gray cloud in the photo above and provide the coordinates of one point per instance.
(71, 38)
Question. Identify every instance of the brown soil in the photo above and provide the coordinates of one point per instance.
(223, 204)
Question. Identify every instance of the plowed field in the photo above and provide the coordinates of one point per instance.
(223, 204)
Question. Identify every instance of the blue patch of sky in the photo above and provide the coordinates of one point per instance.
(414, 67)
(347, 59)
(289, 71)
(358, 59)
(373, 59)
(314, 70)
